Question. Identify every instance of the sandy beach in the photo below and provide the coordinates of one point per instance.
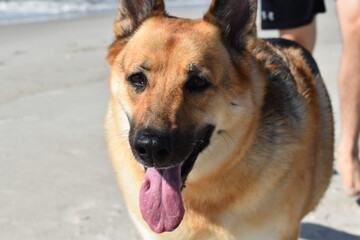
(56, 181)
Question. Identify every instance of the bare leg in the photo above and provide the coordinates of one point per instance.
(304, 35)
(349, 87)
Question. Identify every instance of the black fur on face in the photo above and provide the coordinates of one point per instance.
(202, 142)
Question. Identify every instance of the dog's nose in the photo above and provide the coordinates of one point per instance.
(153, 145)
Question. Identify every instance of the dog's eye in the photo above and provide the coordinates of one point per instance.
(197, 84)
(138, 80)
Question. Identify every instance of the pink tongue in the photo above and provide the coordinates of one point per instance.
(160, 199)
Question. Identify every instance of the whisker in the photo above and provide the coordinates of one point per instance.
(229, 136)
(224, 137)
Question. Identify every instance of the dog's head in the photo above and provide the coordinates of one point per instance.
(179, 82)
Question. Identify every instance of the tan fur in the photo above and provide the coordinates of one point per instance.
(242, 185)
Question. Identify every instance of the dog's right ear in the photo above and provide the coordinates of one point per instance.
(131, 14)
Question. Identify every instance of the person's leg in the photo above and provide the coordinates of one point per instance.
(295, 19)
(304, 35)
(349, 89)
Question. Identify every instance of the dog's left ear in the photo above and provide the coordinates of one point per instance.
(236, 21)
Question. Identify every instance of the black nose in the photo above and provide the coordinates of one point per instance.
(153, 146)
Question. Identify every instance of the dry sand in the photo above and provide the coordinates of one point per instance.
(56, 182)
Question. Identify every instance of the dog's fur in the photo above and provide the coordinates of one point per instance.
(256, 133)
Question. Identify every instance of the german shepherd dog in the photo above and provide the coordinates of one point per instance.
(213, 132)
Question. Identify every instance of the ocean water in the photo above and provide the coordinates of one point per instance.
(17, 11)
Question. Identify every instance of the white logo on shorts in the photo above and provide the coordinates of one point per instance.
(268, 15)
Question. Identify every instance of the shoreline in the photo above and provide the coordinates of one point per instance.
(33, 18)
(50, 18)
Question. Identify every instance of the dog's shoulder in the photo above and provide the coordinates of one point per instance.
(306, 56)
(284, 56)
(291, 75)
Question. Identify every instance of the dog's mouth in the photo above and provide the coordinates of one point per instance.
(161, 203)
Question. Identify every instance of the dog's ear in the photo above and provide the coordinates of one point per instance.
(132, 13)
(236, 21)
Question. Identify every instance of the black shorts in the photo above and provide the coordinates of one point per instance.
(284, 14)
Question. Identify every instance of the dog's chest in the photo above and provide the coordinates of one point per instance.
(250, 230)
